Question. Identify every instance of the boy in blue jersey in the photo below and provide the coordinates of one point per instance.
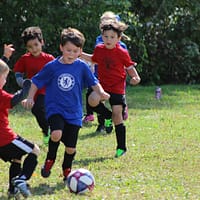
(64, 79)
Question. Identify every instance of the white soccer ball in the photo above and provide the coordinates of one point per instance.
(80, 181)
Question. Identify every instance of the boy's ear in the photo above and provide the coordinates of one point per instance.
(81, 50)
(42, 41)
(61, 48)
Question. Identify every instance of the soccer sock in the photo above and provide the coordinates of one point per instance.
(53, 147)
(29, 166)
(101, 109)
(120, 130)
(14, 170)
(67, 161)
(101, 119)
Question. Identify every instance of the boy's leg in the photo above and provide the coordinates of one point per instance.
(89, 111)
(118, 102)
(38, 111)
(101, 120)
(102, 110)
(56, 123)
(24, 147)
(121, 139)
(50, 159)
(14, 170)
(70, 136)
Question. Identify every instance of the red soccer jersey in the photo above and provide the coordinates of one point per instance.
(30, 65)
(111, 67)
(6, 133)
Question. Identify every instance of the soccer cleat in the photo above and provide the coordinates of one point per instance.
(125, 113)
(21, 185)
(108, 125)
(14, 194)
(88, 118)
(65, 174)
(46, 169)
(119, 152)
(100, 128)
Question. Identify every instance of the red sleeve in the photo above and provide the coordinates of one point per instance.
(5, 100)
(127, 60)
(95, 55)
(20, 65)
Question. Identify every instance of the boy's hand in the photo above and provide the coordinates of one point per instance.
(105, 96)
(135, 80)
(8, 50)
(28, 103)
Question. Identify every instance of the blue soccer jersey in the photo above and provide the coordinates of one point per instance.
(64, 84)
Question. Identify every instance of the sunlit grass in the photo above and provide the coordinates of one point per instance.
(162, 161)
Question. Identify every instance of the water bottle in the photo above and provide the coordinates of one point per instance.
(158, 93)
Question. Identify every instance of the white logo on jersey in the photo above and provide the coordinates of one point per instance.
(66, 82)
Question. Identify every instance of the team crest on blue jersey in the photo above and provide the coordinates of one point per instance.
(66, 82)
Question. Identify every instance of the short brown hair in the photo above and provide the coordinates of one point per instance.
(116, 26)
(32, 33)
(72, 35)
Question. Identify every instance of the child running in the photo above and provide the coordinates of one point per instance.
(103, 124)
(113, 63)
(64, 79)
(27, 66)
(12, 146)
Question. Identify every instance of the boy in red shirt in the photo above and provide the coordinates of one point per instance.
(12, 146)
(113, 63)
(30, 64)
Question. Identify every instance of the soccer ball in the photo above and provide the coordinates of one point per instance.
(80, 181)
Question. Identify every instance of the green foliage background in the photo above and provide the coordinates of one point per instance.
(165, 35)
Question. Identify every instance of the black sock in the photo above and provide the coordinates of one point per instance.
(14, 170)
(53, 147)
(105, 112)
(67, 161)
(100, 119)
(29, 166)
(121, 136)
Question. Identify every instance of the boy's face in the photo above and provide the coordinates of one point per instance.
(110, 38)
(3, 78)
(70, 52)
(34, 46)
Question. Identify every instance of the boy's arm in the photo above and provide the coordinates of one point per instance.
(132, 72)
(19, 78)
(21, 94)
(29, 101)
(87, 57)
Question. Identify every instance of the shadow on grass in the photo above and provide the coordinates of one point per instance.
(87, 161)
(91, 134)
(44, 189)
(41, 189)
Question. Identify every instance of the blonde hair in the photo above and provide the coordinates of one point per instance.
(3, 67)
(108, 15)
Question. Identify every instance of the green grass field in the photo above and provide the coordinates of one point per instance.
(162, 161)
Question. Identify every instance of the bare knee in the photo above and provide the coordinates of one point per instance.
(70, 150)
(94, 99)
(56, 135)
